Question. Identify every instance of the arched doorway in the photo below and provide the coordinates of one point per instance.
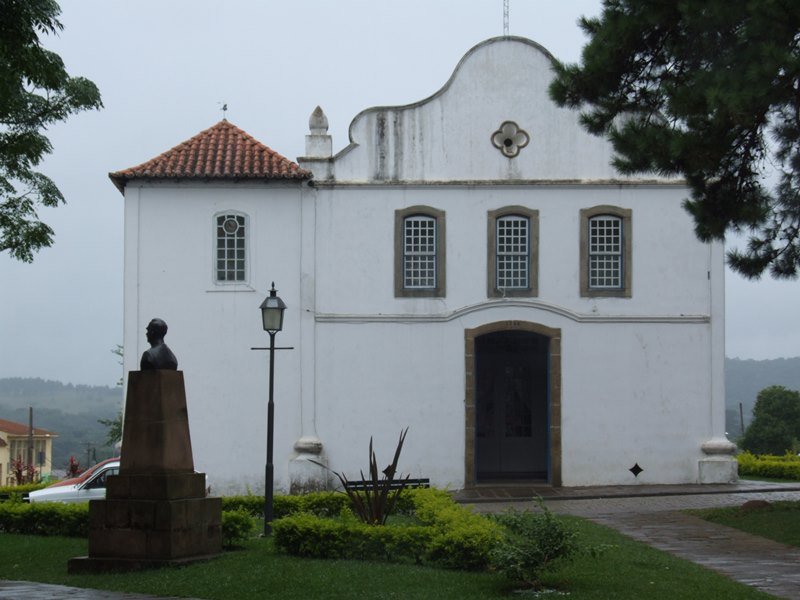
(513, 403)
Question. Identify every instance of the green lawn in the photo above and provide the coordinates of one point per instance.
(626, 570)
(780, 521)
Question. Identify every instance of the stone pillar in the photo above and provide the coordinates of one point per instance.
(304, 475)
(156, 512)
(719, 464)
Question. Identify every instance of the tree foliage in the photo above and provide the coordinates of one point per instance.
(709, 91)
(114, 433)
(35, 92)
(775, 428)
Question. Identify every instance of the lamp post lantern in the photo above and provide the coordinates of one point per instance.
(272, 317)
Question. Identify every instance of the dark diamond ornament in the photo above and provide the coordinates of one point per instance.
(636, 469)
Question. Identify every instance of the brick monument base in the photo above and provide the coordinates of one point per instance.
(156, 512)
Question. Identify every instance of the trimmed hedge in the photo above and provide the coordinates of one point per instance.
(323, 504)
(46, 518)
(72, 520)
(318, 503)
(448, 535)
(12, 492)
(776, 467)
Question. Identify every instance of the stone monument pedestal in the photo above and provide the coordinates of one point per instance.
(156, 512)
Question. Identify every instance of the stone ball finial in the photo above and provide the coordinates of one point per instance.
(318, 122)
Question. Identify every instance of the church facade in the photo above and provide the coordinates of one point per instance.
(470, 266)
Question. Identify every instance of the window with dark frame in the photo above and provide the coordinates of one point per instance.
(419, 252)
(606, 252)
(512, 252)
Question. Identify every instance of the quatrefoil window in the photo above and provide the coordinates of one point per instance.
(509, 139)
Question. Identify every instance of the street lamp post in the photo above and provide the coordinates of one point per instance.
(272, 317)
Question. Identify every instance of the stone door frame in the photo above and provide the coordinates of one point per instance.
(554, 394)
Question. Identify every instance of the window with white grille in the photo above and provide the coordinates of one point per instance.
(605, 252)
(513, 252)
(512, 261)
(419, 252)
(231, 265)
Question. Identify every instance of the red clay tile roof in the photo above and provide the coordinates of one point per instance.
(220, 152)
(19, 429)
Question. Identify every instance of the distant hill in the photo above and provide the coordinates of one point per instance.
(745, 378)
(69, 410)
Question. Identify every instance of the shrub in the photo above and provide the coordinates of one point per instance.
(786, 466)
(71, 520)
(346, 537)
(17, 491)
(461, 539)
(318, 503)
(323, 504)
(532, 542)
(251, 504)
(237, 527)
(448, 535)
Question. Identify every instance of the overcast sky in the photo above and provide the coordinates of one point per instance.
(164, 67)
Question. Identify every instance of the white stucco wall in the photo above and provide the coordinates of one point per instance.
(357, 276)
(445, 137)
(170, 242)
(640, 381)
(631, 393)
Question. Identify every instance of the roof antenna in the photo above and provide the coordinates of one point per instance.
(505, 18)
(224, 109)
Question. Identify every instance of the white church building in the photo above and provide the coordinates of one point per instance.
(469, 266)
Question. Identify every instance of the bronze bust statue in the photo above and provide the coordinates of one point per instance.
(159, 356)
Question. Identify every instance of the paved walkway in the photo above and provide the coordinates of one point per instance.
(657, 521)
(650, 514)
(26, 590)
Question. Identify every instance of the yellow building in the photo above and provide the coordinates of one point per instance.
(15, 443)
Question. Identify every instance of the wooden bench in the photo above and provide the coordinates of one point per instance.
(360, 486)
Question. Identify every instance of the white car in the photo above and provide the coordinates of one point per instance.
(90, 485)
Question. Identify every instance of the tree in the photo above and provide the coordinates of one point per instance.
(35, 92)
(775, 428)
(709, 91)
(114, 433)
(119, 351)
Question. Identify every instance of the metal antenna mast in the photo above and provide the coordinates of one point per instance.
(505, 18)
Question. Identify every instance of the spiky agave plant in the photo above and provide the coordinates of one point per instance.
(376, 500)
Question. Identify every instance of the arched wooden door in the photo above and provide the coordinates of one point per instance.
(511, 416)
(513, 404)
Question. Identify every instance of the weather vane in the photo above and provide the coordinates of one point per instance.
(505, 18)
(224, 109)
